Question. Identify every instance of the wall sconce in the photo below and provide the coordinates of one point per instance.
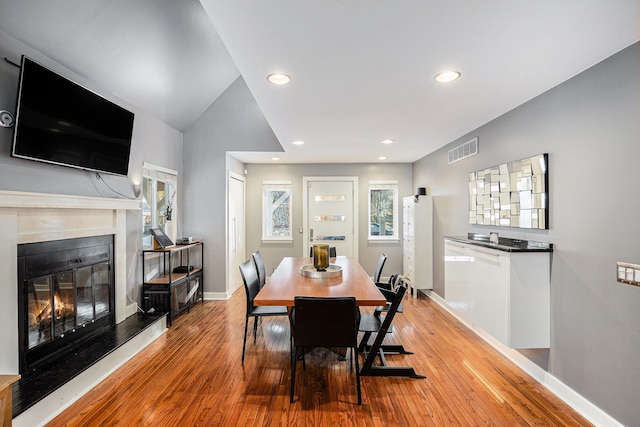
(137, 189)
(422, 191)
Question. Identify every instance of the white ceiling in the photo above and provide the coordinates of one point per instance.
(362, 70)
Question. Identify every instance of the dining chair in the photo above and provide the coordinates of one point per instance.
(260, 268)
(332, 252)
(379, 266)
(324, 322)
(251, 287)
(381, 324)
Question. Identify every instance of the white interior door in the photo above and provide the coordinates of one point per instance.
(331, 214)
(235, 230)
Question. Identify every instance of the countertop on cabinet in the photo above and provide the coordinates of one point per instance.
(504, 243)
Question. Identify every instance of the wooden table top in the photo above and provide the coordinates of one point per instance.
(286, 282)
(7, 380)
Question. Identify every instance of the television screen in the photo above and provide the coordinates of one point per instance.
(61, 122)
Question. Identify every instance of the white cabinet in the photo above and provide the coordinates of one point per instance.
(417, 241)
(507, 294)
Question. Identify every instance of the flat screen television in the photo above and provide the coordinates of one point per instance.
(58, 121)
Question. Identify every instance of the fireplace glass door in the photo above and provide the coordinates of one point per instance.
(64, 303)
(66, 291)
(39, 310)
(52, 308)
(92, 285)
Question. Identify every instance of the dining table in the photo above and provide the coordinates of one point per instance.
(287, 282)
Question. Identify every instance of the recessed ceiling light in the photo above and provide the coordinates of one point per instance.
(279, 78)
(298, 142)
(387, 141)
(275, 158)
(382, 158)
(448, 76)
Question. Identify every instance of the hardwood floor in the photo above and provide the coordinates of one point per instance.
(192, 376)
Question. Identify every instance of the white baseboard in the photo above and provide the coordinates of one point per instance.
(572, 398)
(52, 405)
(217, 296)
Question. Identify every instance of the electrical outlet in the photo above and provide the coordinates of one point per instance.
(628, 273)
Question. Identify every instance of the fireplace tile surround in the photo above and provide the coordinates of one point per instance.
(27, 217)
(40, 217)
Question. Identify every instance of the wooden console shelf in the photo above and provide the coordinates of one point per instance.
(172, 278)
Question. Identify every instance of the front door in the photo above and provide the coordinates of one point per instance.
(331, 215)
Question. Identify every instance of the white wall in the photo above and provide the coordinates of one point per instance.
(234, 122)
(589, 125)
(368, 251)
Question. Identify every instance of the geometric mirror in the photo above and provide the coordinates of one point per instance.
(512, 194)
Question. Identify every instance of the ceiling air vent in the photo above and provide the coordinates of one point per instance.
(463, 151)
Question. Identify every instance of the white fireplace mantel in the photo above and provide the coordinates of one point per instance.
(38, 217)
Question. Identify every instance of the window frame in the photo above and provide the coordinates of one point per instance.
(169, 177)
(267, 210)
(384, 185)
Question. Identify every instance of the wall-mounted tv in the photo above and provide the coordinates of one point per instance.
(59, 121)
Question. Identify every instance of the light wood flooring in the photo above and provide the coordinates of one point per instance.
(192, 376)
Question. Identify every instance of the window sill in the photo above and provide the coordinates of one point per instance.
(277, 240)
(383, 240)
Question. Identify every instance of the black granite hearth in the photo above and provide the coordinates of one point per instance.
(36, 384)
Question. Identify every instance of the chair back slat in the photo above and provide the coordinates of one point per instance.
(251, 282)
(379, 266)
(260, 268)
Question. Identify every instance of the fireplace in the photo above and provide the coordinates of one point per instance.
(65, 295)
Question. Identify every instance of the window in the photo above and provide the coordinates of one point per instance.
(276, 210)
(159, 196)
(383, 210)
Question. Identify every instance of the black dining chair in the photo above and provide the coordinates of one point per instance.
(260, 268)
(332, 252)
(251, 287)
(324, 322)
(379, 266)
(381, 324)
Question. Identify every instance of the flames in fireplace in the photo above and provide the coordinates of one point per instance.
(60, 312)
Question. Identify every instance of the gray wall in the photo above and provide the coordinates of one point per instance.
(153, 141)
(589, 125)
(368, 251)
(234, 122)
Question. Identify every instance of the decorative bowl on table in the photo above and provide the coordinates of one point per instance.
(331, 271)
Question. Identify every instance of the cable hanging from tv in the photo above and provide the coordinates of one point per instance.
(7, 60)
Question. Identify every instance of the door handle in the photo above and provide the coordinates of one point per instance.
(311, 234)
(235, 236)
